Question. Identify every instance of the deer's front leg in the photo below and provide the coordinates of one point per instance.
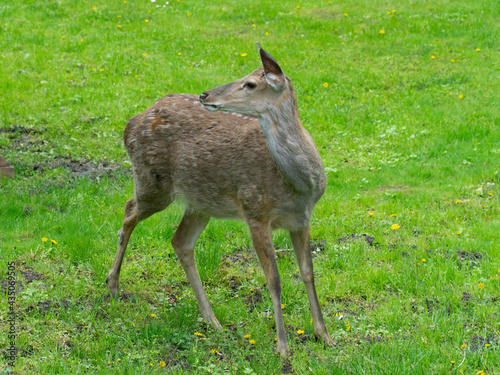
(300, 240)
(190, 228)
(263, 243)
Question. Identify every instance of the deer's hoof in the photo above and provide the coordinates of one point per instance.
(112, 286)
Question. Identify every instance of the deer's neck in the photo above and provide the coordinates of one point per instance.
(292, 147)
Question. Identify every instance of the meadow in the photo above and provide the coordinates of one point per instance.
(402, 100)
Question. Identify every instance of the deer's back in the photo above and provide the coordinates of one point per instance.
(216, 162)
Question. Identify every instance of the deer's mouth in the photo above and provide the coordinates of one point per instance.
(212, 107)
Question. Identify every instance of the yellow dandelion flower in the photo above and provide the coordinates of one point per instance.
(108, 363)
(267, 33)
(119, 26)
(463, 346)
(146, 21)
(150, 365)
(179, 54)
(189, 14)
(53, 241)
(388, 12)
(198, 334)
(149, 11)
(491, 194)
(394, 215)
(452, 60)
(94, 8)
(395, 226)
(348, 328)
(153, 315)
(487, 345)
(118, 359)
(101, 70)
(300, 332)
(252, 342)
(480, 285)
(370, 213)
(133, 324)
(459, 233)
(298, 6)
(243, 54)
(460, 96)
(424, 260)
(247, 336)
(457, 201)
(144, 54)
(162, 364)
(275, 339)
(254, 25)
(452, 362)
(478, 49)
(342, 43)
(325, 85)
(345, 14)
(393, 11)
(282, 306)
(63, 37)
(433, 57)
(382, 31)
(45, 239)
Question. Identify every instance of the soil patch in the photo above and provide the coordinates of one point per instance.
(287, 367)
(472, 258)
(19, 129)
(30, 276)
(43, 307)
(252, 299)
(479, 342)
(5, 286)
(354, 237)
(317, 246)
(82, 168)
(374, 339)
(466, 297)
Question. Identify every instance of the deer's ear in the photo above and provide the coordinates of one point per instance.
(274, 75)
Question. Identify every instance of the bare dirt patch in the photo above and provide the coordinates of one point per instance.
(472, 259)
(82, 168)
(354, 237)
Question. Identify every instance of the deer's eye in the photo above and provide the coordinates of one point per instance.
(250, 85)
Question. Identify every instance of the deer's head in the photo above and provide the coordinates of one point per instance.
(253, 94)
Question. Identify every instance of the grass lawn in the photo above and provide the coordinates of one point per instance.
(402, 100)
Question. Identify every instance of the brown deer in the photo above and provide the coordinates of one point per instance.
(236, 151)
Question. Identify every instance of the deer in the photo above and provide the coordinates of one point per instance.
(237, 151)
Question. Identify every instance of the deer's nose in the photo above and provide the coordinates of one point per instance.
(203, 97)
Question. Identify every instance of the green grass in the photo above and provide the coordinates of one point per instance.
(408, 125)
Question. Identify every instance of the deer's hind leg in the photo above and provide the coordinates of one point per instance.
(185, 237)
(136, 210)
